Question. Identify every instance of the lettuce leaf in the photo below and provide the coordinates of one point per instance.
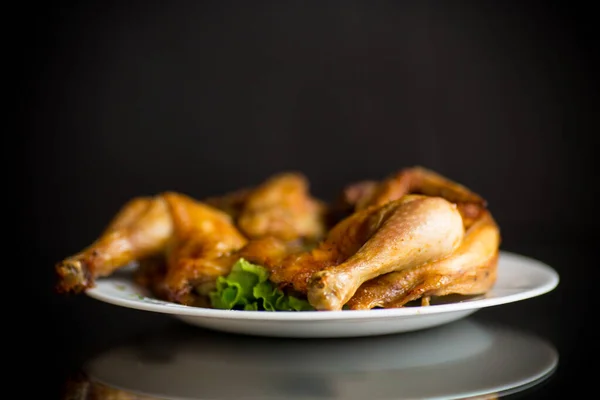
(247, 288)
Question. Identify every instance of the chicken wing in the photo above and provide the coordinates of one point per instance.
(470, 270)
(140, 229)
(202, 248)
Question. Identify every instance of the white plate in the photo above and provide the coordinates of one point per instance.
(519, 278)
(459, 360)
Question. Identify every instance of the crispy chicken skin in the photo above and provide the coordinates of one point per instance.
(349, 200)
(270, 251)
(201, 249)
(282, 207)
(231, 203)
(199, 239)
(423, 181)
(140, 229)
(413, 235)
(342, 241)
(274, 219)
(469, 270)
(366, 234)
(413, 180)
(151, 272)
(402, 234)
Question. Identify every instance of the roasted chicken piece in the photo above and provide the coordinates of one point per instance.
(389, 234)
(281, 206)
(195, 281)
(402, 234)
(423, 181)
(349, 201)
(150, 273)
(407, 232)
(202, 247)
(275, 219)
(293, 271)
(140, 229)
(231, 203)
(181, 244)
(471, 269)
(414, 235)
(413, 180)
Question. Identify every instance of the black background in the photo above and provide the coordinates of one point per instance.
(121, 99)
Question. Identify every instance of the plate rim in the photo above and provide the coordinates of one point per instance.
(552, 281)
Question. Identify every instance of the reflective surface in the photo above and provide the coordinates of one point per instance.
(463, 359)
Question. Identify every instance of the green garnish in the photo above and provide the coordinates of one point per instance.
(247, 288)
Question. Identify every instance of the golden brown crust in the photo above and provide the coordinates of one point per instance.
(203, 240)
(140, 229)
(282, 207)
(471, 269)
(405, 233)
(414, 235)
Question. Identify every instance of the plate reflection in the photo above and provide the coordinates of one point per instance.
(463, 359)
